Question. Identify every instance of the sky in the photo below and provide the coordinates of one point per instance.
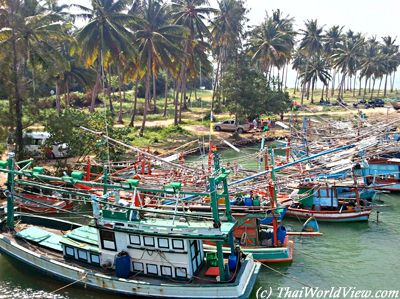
(371, 17)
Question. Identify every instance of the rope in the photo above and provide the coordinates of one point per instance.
(285, 275)
(70, 284)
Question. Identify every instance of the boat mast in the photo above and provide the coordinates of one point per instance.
(10, 191)
(273, 197)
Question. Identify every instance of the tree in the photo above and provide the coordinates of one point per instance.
(158, 45)
(30, 29)
(104, 37)
(271, 44)
(190, 14)
(227, 32)
(310, 45)
(249, 93)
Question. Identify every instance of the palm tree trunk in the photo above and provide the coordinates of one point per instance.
(68, 95)
(58, 99)
(215, 85)
(385, 88)
(147, 96)
(380, 83)
(373, 86)
(322, 92)
(295, 82)
(108, 81)
(365, 87)
(354, 85)
(359, 85)
(18, 98)
(166, 94)
(154, 94)
(176, 101)
(312, 91)
(120, 95)
(286, 74)
(95, 92)
(181, 106)
(333, 83)
(369, 85)
(132, 123)
(392, 86)
(308, 90)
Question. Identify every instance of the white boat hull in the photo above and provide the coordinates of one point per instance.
(240, 289)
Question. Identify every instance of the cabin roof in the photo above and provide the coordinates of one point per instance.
(177, 228)
(84, 234)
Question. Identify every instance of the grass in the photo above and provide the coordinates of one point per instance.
(160, 131)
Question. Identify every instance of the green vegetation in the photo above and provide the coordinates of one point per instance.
(148, 61)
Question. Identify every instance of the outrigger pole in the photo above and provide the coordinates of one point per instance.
(292, 163)
(144, 153)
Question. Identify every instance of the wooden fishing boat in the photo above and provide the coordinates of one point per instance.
(382, 174)
(27, 202)
(132, 251)
(330, 216)
(322, 202)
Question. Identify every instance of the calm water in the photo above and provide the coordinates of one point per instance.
(361, 255)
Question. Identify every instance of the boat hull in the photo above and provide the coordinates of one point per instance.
(240, 288)
(263, 254)
(329, 216)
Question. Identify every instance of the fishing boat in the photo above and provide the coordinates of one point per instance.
(382, 174)
(28, 201)
(323, 203)
(131, 251)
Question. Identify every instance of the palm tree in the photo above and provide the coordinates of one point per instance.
(271, 43)
(227, 30)
(311, 45)
(104, 37)
(32, 31)
(333, 37)
(190, 14)
(346, 59)
(318, 69)
(369, 61)
(158, 45)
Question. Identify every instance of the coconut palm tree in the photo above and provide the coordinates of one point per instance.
(227, 30)
(158, 45)
(318, 69)
(310, 45)
(104, 37)
(32, 32)
(346, 59)
(333, 37)
(271, 44)
(190, 14)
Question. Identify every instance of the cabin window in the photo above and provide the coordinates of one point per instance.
(163, 243)
(69, 251)
(134, 239)
(166, 270)
(149, 241)
(152, 269)
(136, 266)
(180, 272)
(177, 244)
(195, 254)
(108, 240)
(82, 255)
(95, 259)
